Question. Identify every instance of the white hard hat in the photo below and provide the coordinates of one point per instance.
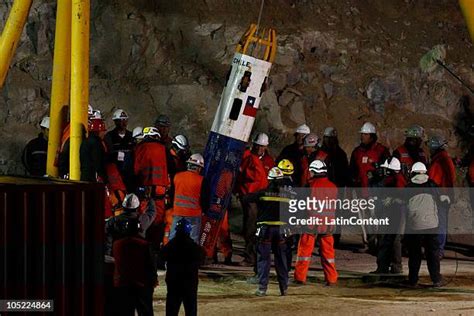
(151, 131)
(131, 201)
(330, 132)
(181, 142)
(275, 173)
(261, 139)
(385, 164)
(368, 128)
(310, 140)
(95, 115)
(303, 129)
(45, 122)
(318, 166)
(197, 160)
(137, 132)
(395, 164)
(418, 167)
(120, 115)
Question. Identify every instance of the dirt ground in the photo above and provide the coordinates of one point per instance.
(225, 290)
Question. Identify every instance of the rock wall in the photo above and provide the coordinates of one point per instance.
(339, 63)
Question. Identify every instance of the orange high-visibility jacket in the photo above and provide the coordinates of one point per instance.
(150, 164)
(187, 194)
(252, 176)
(442, 170)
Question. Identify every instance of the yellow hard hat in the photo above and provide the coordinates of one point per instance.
(286, 167)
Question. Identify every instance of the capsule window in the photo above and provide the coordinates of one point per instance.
(235, 111)
(245, 82)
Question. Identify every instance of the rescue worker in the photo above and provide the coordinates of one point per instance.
(288, 169)
(117, 228)
(187, 196)
(250, 179)
(183, 258)
(163, 124)
(411, 151)
(93, 153)
(321, 188)
(311, 152)
(443, 173)
(294, 152)
(261, 139)
(180, 151)
(389, 257)
(422, 225)
(135, 274)
(271, 230)
(35, 152)
(115, 189)
(151, 169)
(179, 154)
(364, 160)
(120, 144)
(62, 156)
(338, 170)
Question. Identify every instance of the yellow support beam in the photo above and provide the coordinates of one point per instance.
(11, 35)
(467, 7)
(61, 80)
(79, 81)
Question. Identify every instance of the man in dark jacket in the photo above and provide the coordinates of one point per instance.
(183, 257)
(135, 274)
(92, 153)
(120, 144)
(422, 225)
(294, 152)
(35, 152)
(271, 230)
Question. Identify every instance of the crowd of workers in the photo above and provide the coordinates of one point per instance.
(156, 194)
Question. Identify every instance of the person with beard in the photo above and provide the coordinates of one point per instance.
(411, 151)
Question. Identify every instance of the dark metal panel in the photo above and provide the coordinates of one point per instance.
(51, 243)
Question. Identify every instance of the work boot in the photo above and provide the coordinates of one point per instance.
(284, 293)
(260, 293)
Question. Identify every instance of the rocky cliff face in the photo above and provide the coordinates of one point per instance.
(339, 63)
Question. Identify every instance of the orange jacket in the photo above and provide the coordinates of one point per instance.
(323, 189)
(150, 164)
(252, 176)
(442, 170)
(187, 194)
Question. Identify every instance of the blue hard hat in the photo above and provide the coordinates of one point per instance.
(183, 226)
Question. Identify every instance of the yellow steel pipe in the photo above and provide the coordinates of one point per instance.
(61, 80)
(467, 7)
(79, 81)
(11, 35)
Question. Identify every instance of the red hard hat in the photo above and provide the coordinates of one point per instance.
(97, 125)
